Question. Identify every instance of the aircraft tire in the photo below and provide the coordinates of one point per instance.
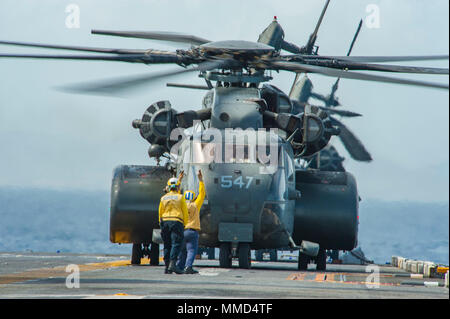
(154, 254)
(211, 253)
(321, 260)
(273, 255)
(225, 260)
(136, 254)
(245, 260)
(303, 261)
(259, 255)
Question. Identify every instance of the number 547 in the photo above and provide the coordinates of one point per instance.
(228, 182)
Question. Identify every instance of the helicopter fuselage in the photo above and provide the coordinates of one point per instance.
(255, 194)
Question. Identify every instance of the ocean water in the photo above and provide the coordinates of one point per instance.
(44, 220)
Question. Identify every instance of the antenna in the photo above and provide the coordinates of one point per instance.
(336, 84)
(308, 49)
(313, 36)
(355, 37)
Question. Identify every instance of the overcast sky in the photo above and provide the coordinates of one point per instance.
(59, 140)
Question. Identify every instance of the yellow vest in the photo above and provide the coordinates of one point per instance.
(173, 207)
(194, 209)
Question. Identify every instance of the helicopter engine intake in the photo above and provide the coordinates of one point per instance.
(156, 124)
(308, 132)
(317, 130)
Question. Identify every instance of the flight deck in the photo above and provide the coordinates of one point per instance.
(89, 276)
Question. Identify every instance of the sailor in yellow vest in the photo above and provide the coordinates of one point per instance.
(192, 228)
(173, 215)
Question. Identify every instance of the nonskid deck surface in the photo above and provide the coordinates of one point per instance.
(44, 275)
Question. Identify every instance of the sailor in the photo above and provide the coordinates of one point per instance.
(173, 215)
(192, 228)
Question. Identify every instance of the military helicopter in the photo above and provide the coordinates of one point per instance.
(256, 198)
(328, 159)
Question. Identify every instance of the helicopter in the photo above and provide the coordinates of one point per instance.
(255, 199)
(329, 159)
(300, 93)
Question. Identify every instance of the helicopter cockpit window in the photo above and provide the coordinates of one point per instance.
(282, 176)
(240, 154)
(197, 128)
(231, 153)
(204, 153)
(289, 166)
(187, 154)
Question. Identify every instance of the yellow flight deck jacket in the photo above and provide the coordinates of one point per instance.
(173, 207)
(194, 209)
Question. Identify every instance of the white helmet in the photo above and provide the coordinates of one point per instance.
(172, 183)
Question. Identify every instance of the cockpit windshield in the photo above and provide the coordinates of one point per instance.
(204, 153)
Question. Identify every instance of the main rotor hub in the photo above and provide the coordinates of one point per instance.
(237, 47)
(236, 77)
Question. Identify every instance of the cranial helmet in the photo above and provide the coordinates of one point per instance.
(172, 183)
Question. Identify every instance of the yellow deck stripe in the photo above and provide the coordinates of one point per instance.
(331, 278)
(57, 271)
(441, 270)
(320, 277)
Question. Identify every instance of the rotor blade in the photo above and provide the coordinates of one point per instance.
(300, 67)
(74, 48)
(389, 68)
(371, 59)
(351, 65)
(336, 84)
(343, 113)
(313, 37)
(319, 96)
(152, 57)
(330, 101)
(188, 86)
(334, 88)
(156, 35)
(119, 85)
(351, 143)
(331, 110)
(355, 37)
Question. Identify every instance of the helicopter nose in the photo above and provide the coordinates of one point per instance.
(236, 193)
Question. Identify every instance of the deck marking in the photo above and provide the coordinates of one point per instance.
(320, 277)
(60, 271)
(338, 278)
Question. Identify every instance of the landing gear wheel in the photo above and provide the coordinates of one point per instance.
(245, 260)
(303, 261)
(225, 260)
(154, 254)
(321, 260)
(259, 255)
(273, 255)
(136, 254)
(211, 253)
